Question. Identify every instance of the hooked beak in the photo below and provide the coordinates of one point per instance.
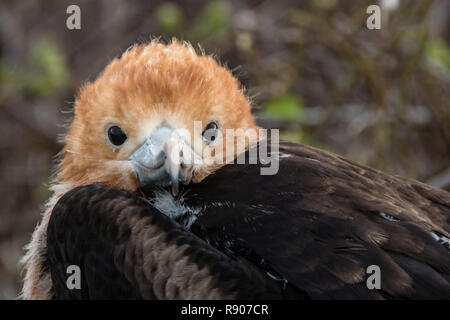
(165, 159)
(172, 150)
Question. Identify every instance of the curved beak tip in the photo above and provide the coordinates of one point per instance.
(175, 189)
(172, 150)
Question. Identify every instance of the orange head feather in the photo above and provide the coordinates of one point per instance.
(147, 87)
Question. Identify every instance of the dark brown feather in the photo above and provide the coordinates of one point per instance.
(311, 230)
(128, 250)
(326, 220)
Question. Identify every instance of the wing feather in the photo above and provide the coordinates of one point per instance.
(126, 249)
(322, 220)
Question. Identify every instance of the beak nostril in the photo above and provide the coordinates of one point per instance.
(181, 153)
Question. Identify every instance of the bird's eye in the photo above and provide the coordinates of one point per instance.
(210, 132)
(116, 136)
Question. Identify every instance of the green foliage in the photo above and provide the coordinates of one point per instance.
(47, 70)
(213, 20)
(290, 108)
(297, 135)
(169, 17)
(43, 73)
(324, 4)
(439, 52)
(300, 18)
(8, 78)
(285, 107)
(301, 135)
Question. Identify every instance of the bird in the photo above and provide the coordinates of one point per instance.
(151, 201)
(154, 117)
(308, 232)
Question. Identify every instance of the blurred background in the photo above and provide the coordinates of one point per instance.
(312, 69)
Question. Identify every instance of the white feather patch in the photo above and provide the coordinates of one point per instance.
(37, 283)
(175, 209)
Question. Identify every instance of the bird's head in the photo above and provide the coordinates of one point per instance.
(155, 116)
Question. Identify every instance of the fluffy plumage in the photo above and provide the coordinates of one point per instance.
(147, 87)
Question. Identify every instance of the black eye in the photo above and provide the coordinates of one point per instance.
(210, 132)
(116, 136)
